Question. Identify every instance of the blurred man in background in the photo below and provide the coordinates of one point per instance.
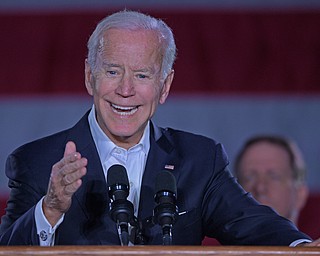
(273, 170)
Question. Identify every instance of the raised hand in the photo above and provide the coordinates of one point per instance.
(64, 181)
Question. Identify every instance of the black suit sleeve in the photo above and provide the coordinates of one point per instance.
(18, 224)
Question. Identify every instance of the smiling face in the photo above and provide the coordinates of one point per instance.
(127, 85)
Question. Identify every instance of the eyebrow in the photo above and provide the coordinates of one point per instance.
(150, 70)
(145, 70)
(110, 65)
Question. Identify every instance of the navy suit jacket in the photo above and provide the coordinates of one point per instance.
(210, 200)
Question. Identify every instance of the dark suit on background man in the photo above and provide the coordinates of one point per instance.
(207, 193)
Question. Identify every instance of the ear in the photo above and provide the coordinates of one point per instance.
(302, 196)
(89, 81)
(166, 87)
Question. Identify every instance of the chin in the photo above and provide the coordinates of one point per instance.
(122, 133)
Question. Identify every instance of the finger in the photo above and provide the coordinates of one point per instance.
(70, 167)
(65, 180)
(314, 243)
(73, 187)
(70, 155)
(70, 148)
(71, 177)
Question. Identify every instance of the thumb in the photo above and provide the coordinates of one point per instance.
(70, 148)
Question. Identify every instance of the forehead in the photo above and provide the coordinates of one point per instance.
(130, 46)
(265, 155)
(144, 39)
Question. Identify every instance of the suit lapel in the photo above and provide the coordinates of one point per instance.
(161, 156)
(93, 191)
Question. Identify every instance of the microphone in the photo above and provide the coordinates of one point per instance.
(166, 211)
(121, 209)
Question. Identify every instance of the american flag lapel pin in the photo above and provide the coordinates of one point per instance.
(169, 167)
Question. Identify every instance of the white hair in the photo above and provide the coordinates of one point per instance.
(133, 20)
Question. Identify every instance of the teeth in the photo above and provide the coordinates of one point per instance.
(124, 111)
(122, 108)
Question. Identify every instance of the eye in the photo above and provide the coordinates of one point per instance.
(275, 176)
(142, 76)
(249, 179)
(111, 72)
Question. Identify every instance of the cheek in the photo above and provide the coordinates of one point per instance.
(282, 192)
(102, 87)
(98, 84)
(148, 94)
(247, 186)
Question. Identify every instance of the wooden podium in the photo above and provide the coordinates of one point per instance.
(158, 250)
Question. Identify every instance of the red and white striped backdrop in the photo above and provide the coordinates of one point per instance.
(239, 72)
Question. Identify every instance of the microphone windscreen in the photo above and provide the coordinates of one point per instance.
(165, 181)
(117, 174)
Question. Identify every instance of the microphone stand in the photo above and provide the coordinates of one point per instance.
(167, 235)
(124, 234)
(165, 214)
(122, 212)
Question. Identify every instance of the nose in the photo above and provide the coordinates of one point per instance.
(126, 86)
(260, 188)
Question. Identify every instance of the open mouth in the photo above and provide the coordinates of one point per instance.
(124, 111)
